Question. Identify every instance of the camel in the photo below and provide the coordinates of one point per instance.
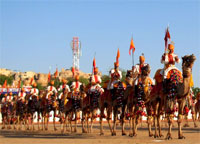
(139, 98)
(34, 105)
(112, 102)
(73, 107)
(105, 103)
(51, 105)
(177, 91)
(94, 99)
(62, 103)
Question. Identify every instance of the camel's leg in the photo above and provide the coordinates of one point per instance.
(92, 118)
(159, 125)
(101, 121)
(114, 122)
(3, 122)
(149, 121)
(38, 120)
(155, 120)
(131, 121)
(123, 120)
(109, 112)
(87, 120)
(83, 122)
(76, 119)
(180, 108)
(54, 121)
(136, 125)
(43, 119)
(170, 118)
(193, 119)
(186, 120)
(19, 122)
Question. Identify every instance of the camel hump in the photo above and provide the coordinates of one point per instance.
(175, 72)
(158, 76)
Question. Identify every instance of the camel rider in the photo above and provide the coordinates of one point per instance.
(75, 95)
(137, 68)
(10, 98)
(4, 100)
(75, 86)
(51, 90)
(116, 76)
(169, 59)
(62, 88)
(34, 92)
(95, 81)
(22, 95)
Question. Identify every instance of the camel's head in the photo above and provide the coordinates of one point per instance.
(82, 87)
(146, 70)
(129, 74)
(187, 64)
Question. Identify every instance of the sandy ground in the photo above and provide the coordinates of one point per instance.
(51, 137)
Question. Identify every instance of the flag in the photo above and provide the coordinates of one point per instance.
(73, 71)
(5, 84)
(94, 64)
(167, 37)
(31, 81)
(49, 76)
(19, 84)
(132, 47)
(56, 73)
(118, 55)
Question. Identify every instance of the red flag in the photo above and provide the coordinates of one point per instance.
(118, 55)
(167, 36)
(31, 81)
(56, 73)
(49, 76)
(132, 47)
(73, 71)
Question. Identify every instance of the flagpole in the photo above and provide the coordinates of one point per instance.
(132, 58)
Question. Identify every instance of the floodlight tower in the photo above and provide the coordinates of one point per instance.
(76, 52)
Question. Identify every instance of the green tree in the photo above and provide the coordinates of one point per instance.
(195, 90)
(40, 87)
(8, 78)
(83, 80)
(104, 79)
(69, 81)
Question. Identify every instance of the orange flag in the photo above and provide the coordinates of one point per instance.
(73, 71)
(56, 73)
(94, 64)
(132, 47)
(31, 81)
(19, 83)
(49, 76)
(5, 84)
(118, 55)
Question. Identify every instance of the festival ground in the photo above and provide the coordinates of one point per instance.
(51, 137)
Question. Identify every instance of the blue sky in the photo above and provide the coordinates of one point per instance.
(37, 34)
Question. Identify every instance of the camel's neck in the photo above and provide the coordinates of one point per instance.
(184, 87)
